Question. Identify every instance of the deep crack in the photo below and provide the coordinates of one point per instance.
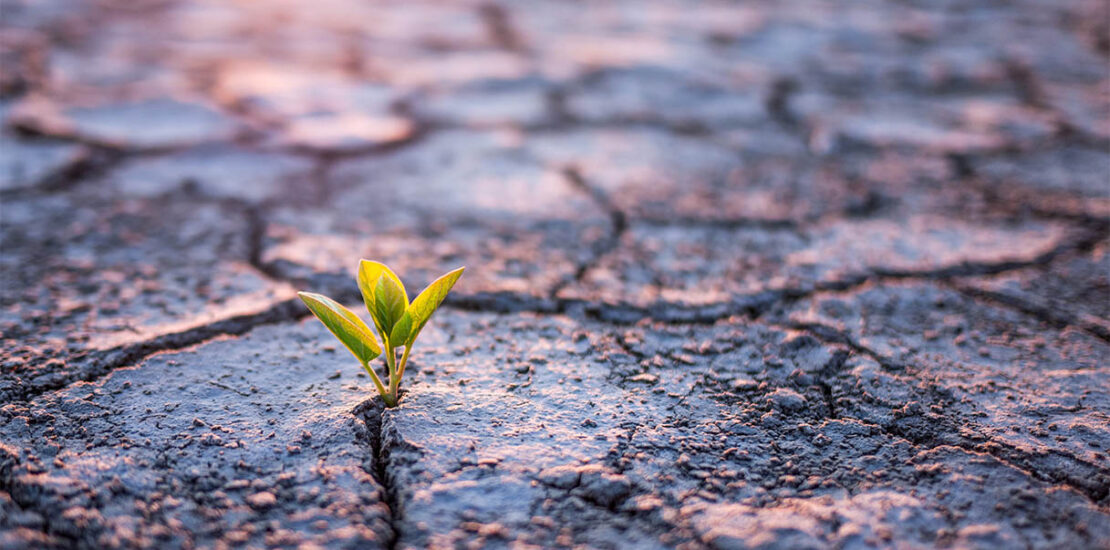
(371, 413)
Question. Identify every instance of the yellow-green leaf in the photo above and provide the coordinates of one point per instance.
(345, 325)
(368, 274)
(390, 303)
(428, 301)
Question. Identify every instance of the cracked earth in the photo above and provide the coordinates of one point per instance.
(740, 275)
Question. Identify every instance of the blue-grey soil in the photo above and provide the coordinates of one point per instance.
(771, 274)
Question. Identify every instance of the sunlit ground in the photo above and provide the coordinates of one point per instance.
(804, 274)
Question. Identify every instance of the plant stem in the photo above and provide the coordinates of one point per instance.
(399, 370)
(390, 402)
(374, 377)
(401, 366)
(391, 362)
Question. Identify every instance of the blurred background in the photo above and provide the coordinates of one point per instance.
(778, 273)
(166, 165)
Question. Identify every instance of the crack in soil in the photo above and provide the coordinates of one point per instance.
(831, 335)
(1047, 315)
(828, 370)
(1093, 482)
(752, 306)
(371, 413)
(1087, 239)
(777, 102)
(756, 304)
(727, 224)
(97, 364)
(256, 242)
(618, 221)
(500, 28)
(88, 163)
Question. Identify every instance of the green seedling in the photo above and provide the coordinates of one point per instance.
(398, 322)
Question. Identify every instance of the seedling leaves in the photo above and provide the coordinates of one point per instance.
(401, 330)
(390, 303)
(368, 274)
(345, 325)
(398, 322)
(428, 301)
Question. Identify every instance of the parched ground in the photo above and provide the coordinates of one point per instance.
(804, 274)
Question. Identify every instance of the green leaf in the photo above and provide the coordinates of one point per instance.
(428, 301)
(345, 325)
(401, 330)
(390, 303)
(368, 274)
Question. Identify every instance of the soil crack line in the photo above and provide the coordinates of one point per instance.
(971, 269)
(750, 305)
(1045, 314)
(618, 222)
(1093, 482)
(831, 335)
(98, 364)
(256, 243)
(372, 413)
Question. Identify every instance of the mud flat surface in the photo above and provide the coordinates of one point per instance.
(740, 275)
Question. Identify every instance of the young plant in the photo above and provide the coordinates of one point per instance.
(398, 322)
